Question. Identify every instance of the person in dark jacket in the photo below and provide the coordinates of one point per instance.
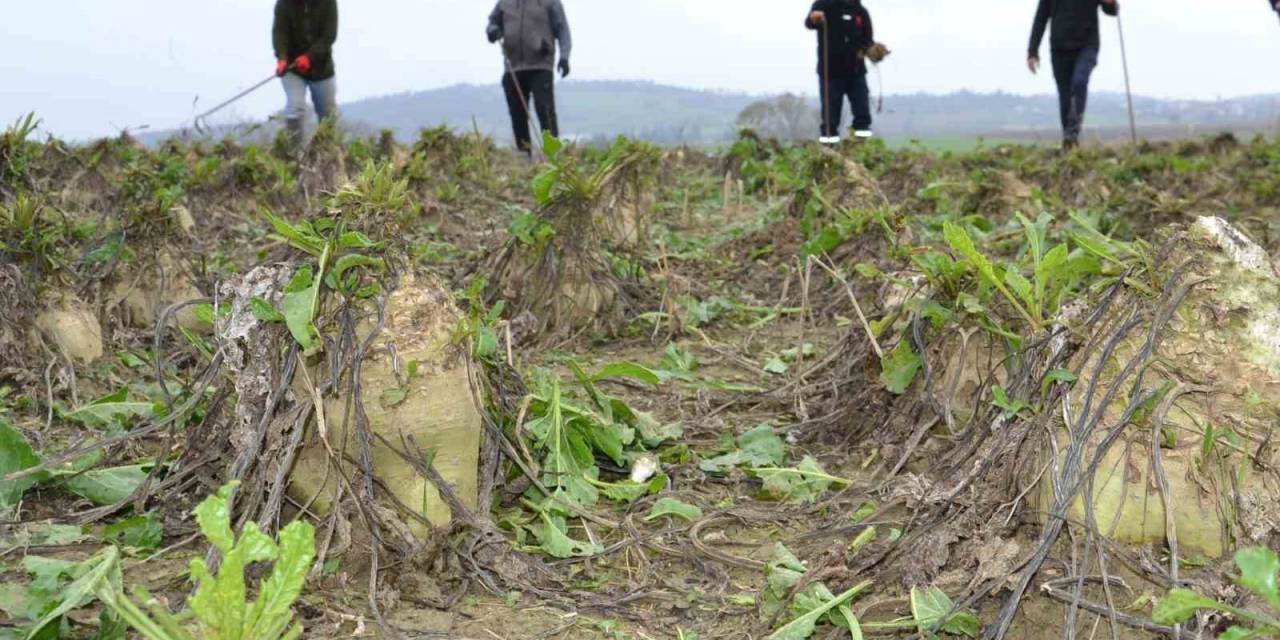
(844, 34)
(1074, 43)
(529, 31)
(303, 35)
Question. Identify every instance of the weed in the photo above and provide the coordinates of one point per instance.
(1258, 568)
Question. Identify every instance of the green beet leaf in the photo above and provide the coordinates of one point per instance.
(899, 367)
(675, 508)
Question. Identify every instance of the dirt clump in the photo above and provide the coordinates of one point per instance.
(73, 329)
(142, 293)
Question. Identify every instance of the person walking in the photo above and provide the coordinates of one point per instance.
(844, 35)
(303, 35)
(529, 31)
(1074, 44)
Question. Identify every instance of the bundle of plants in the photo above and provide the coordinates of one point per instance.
(1121, 393)
(441, 156)
(571, 265)
(335, 388)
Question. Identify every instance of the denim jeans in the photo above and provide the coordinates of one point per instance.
(324, 94)
(1072, 69)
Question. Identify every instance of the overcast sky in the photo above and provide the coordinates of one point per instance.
(91, 67)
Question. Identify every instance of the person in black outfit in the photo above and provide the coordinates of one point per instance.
(1074, 42)
(529, 31)
(844, 34)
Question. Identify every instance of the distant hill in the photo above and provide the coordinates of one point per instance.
(674, 115)
(654, 112)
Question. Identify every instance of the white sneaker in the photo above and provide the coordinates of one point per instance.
(863, 133)
(829, 140)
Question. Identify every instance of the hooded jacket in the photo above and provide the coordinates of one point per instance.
(1075, 24)
(848, 33)
(530, 30)
(307, 27)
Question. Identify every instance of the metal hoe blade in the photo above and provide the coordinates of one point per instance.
(201, 124)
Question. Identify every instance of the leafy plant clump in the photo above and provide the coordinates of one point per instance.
(1259, 575)
(220, 607)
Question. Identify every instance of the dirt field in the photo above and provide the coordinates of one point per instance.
(782, 392)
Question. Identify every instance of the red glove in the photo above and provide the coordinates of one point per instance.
(303, 64)
(281, 67)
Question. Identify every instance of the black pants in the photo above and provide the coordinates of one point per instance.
(1072, 69)
(535, 86)
(833, 93)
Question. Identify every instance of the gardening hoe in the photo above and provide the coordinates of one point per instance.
(827, 129)
(202, 127)
(524, 104)
(1128, 91)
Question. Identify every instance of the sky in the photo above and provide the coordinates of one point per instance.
(91, 68)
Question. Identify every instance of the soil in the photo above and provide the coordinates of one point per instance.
(914, 476)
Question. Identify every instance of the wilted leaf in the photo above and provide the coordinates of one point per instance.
(138, 532)
(263, 311)
(13, 601)
(15, 455)
(931, 609)
(653, 433)
(804, 483)
(108, 486)
(391, 398)
(673, 507)
(49, 534)
(112, 411)
(627, 370)
(95, 572)
(759, 447)
(899, 367)
(629, 490)
(776, 366)
(803, 626)
(553, 540)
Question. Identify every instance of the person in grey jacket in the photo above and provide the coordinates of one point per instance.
(529, 31)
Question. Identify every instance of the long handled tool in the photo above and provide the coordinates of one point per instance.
(200, 124)
(1128, 90)
(524, 104)
(827, 130)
